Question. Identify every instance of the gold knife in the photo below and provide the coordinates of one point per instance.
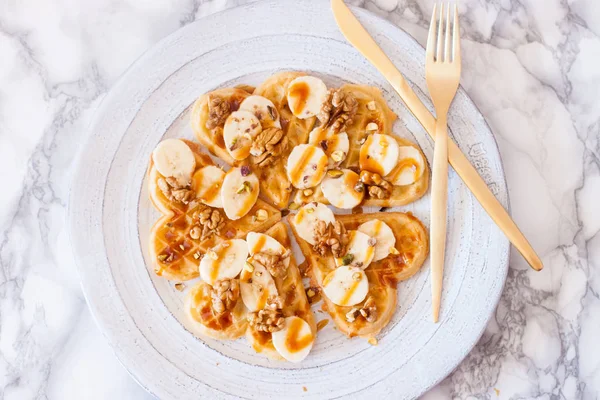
(356, 34)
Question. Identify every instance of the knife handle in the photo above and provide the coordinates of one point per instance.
(465, 170)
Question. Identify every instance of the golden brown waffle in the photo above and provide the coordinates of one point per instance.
(229, 325)
(372, 107)
(174, 253)
(292, 292)
(212, 139)
(383, 275)
(274, 184)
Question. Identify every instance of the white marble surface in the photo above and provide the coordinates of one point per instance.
(532, 67)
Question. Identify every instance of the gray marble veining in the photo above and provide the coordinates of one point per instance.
(531, 66)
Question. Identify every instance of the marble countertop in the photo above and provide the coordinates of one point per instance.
(531, 66)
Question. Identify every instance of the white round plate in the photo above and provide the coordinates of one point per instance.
(110, 217)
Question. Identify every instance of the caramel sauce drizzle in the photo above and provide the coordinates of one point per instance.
(296, 172)
(293, 342)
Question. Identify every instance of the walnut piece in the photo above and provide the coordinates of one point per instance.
(208, 221)
(274, 263)
(368, 311)
(331, 237)
(378, 187)
(224, 295)
(269, 319)
(218, 111)
(174, 191)
(268, 146)
(338, 111)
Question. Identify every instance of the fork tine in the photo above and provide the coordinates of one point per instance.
(456, 37)
(447, 54)
(440, 35)
(430, 49)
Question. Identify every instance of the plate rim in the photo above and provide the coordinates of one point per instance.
(73, 221)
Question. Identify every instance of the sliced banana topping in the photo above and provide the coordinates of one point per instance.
(335, 145)
(361, 250)
(261, 243)
(173, 158)
(340, 191)
(224, 261)
(379, 154)
(263, 109)
(306, 95)
(306, 166)
(207, 182)
(240, 130)
(346, 286)
(383, 234)
(256, 285)
(239, 192)
(410, 167)
(306, 220)
(295, 340)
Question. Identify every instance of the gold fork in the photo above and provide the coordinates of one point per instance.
(442, 71)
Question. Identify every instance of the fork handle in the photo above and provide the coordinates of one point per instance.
(439, 203)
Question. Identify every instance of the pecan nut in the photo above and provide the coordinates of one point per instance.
(218, 111)
(268, 146)
(224, 295)
(378, 187)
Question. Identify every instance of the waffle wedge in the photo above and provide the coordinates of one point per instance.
(291, 291)
(172, 249)
(373, 115)
(228, 325)
(274, 184)
(383, 275)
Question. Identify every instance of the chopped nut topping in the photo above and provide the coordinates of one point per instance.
(307, 192)
(197, 255)
(270, 319)
(293, 206)
(394, 251)
(338, 111)
(372, 126)
(356, 276)
(180, 286)
(330, 236)
(261, 215)
(274, 263)
(224, 295)
(209, 221)
(371, 106)
(338, 156)
(347, 259)
(334, 173)
(218, 111)
(378, 187)
(373, 341)
(244, 187)
(268, 146)
(173, 191)
(212, 254)
(368, 311)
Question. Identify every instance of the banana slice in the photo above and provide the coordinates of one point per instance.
(256, 286)
(173, 158)
(295, 340)
(239, 192)
(379, 154)
(410, 167)
(306, 166)
(306, 95)
(383, 234)
(361, 250)
(307, 217)
(346, 286)
(261, 243)
(339, 190)
(263, 109)
(335, 145)
(224, 261)
(240, 130)
(207, 183)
